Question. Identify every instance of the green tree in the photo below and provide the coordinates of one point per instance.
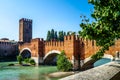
(73, 33)
(48, 36)
(106, 27)
(52, 34)
(64, 34)
(26, 60)
(61, 36)
(32, 61)
(63, 63)
(68, 33)
(55, 36)
(20, 59)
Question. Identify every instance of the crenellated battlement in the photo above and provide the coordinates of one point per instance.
(54, 43)
(89, 42)
(25, 20)
(75, 38)
(69, 37)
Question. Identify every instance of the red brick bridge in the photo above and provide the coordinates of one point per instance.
(77, 50)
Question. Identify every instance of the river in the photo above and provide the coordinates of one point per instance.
(32, 72)
(25, 72)
(101, 62)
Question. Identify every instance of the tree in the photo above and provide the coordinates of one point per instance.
(20, 59)
(55, 36)
(73, 33)
(68, 33)
(32, 61)
(26, 60)
(64, 34)
(61, 36)
(63, 63)
(48, 36)
(106, 27)
(52, 34)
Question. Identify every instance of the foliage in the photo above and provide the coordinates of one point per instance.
(63, 63)
(68, 33)
(32, 61)
(53, 35)
(11, 64)
(61, 36)
(48, 36)
(27, 60)
(106, 27)
(20, 59)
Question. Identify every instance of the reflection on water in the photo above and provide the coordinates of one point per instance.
(25, 72)
(101, 61)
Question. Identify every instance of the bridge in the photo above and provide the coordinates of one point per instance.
(77, 50)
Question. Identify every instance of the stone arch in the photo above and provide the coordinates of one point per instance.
(89, 62)
(25, 53)
(50, 57)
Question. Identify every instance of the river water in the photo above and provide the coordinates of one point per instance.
(101, 62)
(32, 72)
(25, 72)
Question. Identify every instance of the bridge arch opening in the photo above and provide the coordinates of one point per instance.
(26, 53)
(51, 57)
(90, 63)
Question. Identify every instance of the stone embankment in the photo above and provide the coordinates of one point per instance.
(103, 72)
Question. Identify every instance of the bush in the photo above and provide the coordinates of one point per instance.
(11, 64)
(27, 60)
(32, 61)
(63, 63)
(20, 59)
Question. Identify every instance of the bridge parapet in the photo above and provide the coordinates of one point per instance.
(54, 43)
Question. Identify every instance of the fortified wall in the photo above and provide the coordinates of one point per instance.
(8, 48)
(73, 46)
(76, 49)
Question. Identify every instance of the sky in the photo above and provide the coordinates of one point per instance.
(46, 15)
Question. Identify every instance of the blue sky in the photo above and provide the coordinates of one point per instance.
(46, 15)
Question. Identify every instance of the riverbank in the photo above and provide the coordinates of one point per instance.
(60, 74)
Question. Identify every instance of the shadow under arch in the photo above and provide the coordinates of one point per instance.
(89, 62)
(25, 53)
(51, 57)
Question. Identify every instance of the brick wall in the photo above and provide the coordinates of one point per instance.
(72, 45)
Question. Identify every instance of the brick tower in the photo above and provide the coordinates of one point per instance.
(25, 30)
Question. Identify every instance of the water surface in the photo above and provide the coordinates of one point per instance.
(25, 72)
(101, 62)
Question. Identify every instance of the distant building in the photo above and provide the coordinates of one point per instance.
(8, 48)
